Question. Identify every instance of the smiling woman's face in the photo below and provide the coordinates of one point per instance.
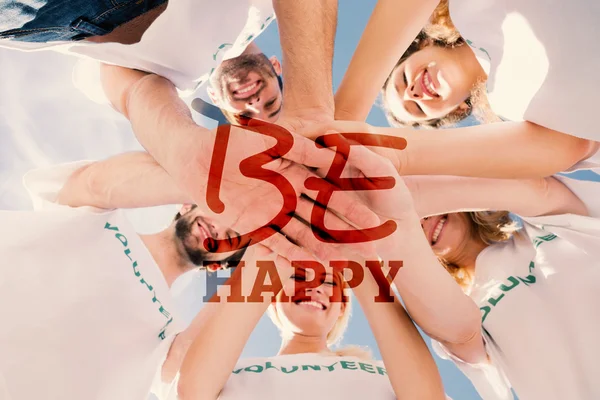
(311, 311)
(431, 83)
(449, 235)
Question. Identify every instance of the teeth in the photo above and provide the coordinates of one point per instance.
(438, 229)
(246, 90)
(428, 83)
(314, 304)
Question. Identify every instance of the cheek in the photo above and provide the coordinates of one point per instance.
(458, 83)
(452, 235)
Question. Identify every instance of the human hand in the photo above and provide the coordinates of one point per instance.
(251, 189)
(314, 130)
(377, 184)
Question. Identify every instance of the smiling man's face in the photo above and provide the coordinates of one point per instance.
(192, 228)
(248, 86)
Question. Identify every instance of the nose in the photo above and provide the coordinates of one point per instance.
(254, 101)
(413, 91)
(212, 228)
(318, 289)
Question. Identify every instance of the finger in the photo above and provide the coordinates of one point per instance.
(303, 151)
(313, 131)
(279, 244)
(302, 234)
(343, 203)
(370, 163)
(317, 239)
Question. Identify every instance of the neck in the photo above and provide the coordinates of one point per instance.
(468, 256)
(166, 254)
(297, 344)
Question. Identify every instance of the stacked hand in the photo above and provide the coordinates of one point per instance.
(263, 193)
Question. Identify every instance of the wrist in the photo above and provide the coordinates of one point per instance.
(408, 233)
(317, 112)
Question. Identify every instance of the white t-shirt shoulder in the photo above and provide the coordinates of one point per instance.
(538, 296)
(542, 59)
(90, 313)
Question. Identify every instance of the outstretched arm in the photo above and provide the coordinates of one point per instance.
(129, 180)
(409, 364)
(392, 27)
(434, 195)
(307, 31)
(501, 150)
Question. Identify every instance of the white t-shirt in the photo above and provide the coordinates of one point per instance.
(87, 312)
(542, 58)
(184, 44)
(306, 376)
(539, 301)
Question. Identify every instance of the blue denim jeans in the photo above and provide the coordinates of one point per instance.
(60, 20)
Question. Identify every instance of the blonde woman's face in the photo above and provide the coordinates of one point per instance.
(429, 84)
(449, 235)
(314, 308)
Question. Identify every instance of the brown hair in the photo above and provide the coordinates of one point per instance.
(441, 32)
(490, 227)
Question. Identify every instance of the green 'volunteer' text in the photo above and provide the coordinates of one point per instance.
(513, 281)
(348, 365)
(123, 239)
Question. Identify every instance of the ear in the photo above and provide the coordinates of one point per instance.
(186, 208)
(212, 94)
(276, 65)
(463, 106)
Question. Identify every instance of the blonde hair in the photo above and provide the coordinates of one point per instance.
(440, 31)
(336, 333)
(490, 227)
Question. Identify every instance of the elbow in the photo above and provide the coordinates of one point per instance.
(97, 188)
(573, 150)
(581, 149)
(466, 327)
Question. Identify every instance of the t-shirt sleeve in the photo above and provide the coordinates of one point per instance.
(163, 390)
(44, 185)
(86, 78)
(582, 231)
(487, 378)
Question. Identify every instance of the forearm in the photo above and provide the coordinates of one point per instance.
(129, 180)
(525, 197)
(431, 296)
(307, 30)
(409, 364)
(499, 150)
(392, 27)
(162, 123)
